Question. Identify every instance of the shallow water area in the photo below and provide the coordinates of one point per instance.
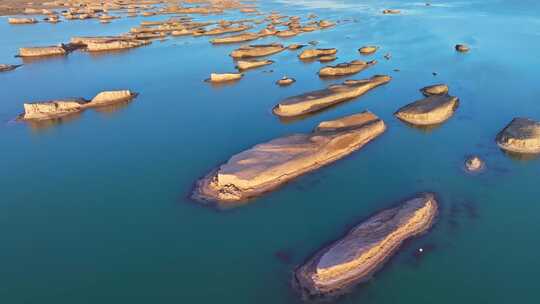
(96, 208)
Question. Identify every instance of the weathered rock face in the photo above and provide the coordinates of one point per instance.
(326, 24)
(431, 110)
(110, 97)
(474, 164)
(521, 135)
(42, 51)
(8, 67)
(368, 50)
(226, 77)
(364, 249)
(22, 20)
(317, 100)
(314, 53)
(235, 38)
(436, 89)
(347, 68)
(243, 65)
(51, 109)
(101, 46)
(269, 165)
(257, 50)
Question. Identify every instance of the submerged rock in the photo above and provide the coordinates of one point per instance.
(286, 33)
(51, 109)
(225, 77)
(327, 58)
(235, 38)
(521, 135)
(347, 68)
(462, 48)
(269, 165)
(317, 100)
(285, 81)
(365, 248)
(314, 53)
(243, 65)
(42, 51)
(101, 46)
(8, 67)
(431, 110)
(474, 164)
(258, 50)
(368, 50)
(22, 20)
(436, 89)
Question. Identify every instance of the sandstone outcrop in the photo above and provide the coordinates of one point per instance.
(285, 81)
(243, 65)
(436, 89)
(101, 46)
(42, 51)
(295, 46)
(431, 110)
(347, 68)
(225, 77)
(317, 100)
(110, 97)
(258, 50)
(521, 135)
(269, 165)
(354, 258)
(235, 38)
(51, 109)
(368, 50)
(327, 58)
(22, 20)
(314, 53)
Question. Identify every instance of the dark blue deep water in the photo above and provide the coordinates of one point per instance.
(95, 209)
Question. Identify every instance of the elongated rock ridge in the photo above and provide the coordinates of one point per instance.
(364, 249)
(314, 53)
(271, 164)
(431, 110)
(258, 50)
(521, 135)
(42, 51)
(347, 68)
(243, 65)
(235, 38)
(317, 100)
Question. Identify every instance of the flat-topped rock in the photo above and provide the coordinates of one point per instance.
(368, 50)
(327, 58)
(8, 67)
(295, 46)
(354, 258)
(235, 38)
(314, 53)
(225, 30)
(347, 68)
(224, 77)
(243, 65)
(84, 40)
(51, 109)
(431, 110)
(258, 50)
(114, 45)
(285, 81)
(436, 89)
(42, 51)
(110, 97)
(462, 48)
(521, 135)
(391, 11)
(317, 100)
(22, 20)
(326, 24)
(269, 165)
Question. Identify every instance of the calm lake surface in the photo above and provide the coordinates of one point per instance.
(96, 209)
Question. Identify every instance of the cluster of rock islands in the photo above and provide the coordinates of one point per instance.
(266, 166)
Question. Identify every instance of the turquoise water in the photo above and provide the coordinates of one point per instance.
(95, 209)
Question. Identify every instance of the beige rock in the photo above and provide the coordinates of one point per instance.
(258, 50)
(183, 32)
(84, 40)
(286, 33)
(317, 100)
(364, 249)
(285, 81)
(22, 20)
(114, 45)
(42, 51)
(51, 109)
(110, 97)
(436, 89)
(431, 110)
(368, 50)
(327, 58)
(314, 53)
(326, 24)
(347, 68)
(243, 65)
(226, 77)
(269, 165)
(391, 11)
(225, 30)
(521, 135)
(295, 46)
(235, 38)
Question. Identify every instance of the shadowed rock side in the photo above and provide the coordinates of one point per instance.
(317, 100)
(364, 249)
(269, 165)
(114, 45)
(259, 50)
(235, 38)
(22, 20)
(225, 77)
(347, 68)
(8, 67)
(59, 108)
(431, 110)
(521, 135)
